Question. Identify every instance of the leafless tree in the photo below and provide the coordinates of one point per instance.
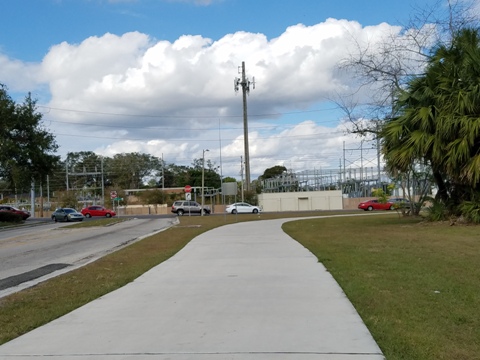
(382, 68)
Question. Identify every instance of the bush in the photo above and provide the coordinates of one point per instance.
(67, 199)
(471, 211)
(9, 217)
(437, 211)
(381, 195)
(154, 196)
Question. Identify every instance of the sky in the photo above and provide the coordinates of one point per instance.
(157, 76)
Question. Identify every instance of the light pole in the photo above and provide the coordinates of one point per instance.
(203, 181)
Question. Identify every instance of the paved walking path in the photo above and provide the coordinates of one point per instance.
(243, 291)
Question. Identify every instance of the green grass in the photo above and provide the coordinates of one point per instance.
(416, 286)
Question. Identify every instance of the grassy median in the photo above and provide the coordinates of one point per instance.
(416, 285)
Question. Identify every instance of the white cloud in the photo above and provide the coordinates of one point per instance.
(184, 89)
(18, 75)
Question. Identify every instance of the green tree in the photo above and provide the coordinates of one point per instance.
(84, 169)
(68, 199)
(132, 170)
(176, 176)
(154, 197)
(27, 148)
(229, 179)
(439, 121)
(273, 172)
(212, 178)
(381, 195)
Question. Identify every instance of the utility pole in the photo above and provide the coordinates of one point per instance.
(241, 173)
(245, 83)
(103, 180)
(163, 175)
(66, 171)
(379, 180)
(32, 198)
(221, 166)
(203, 182)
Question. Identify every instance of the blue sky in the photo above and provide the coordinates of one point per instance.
(30, 27)
(156, 76)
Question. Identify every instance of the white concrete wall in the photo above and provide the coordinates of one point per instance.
(301, 201)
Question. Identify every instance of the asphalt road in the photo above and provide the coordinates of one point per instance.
(30, 254)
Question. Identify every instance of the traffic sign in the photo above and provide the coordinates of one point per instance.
(188, 188)
(113, 194)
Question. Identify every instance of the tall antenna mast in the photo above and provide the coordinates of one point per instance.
(245, 83)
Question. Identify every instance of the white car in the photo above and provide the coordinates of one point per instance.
(242, 208)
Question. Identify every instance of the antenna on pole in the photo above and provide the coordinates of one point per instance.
(245, 84)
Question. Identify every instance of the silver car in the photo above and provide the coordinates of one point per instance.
(67, 214)
(189, 207)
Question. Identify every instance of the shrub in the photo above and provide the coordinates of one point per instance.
(381, 195)
(437, 211)
(470, 211)
(67, 199)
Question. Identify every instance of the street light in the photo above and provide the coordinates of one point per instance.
(203, 181)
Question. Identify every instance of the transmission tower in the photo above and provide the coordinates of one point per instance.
(245, 83)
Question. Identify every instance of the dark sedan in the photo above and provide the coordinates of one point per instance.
(23, 213)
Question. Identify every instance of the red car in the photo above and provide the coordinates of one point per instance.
(96, 210)
(375, 205)
(25, 214)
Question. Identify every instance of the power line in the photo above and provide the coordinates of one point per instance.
(202, 140)
(183, 116)
(273, 126)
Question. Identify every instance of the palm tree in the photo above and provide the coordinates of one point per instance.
(439, 120)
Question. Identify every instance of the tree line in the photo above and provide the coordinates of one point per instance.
(136, 171)
(28, 157)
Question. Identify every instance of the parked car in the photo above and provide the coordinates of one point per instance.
(242, 208)
(375, 205)
(400, 202)
(96, 210)
(189, 207)
(67, 214)
(23, 213)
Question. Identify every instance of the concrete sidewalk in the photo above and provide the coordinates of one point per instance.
(241, 291)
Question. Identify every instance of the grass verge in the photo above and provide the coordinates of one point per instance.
(97, 222)
(24, 311)
(416, 286)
